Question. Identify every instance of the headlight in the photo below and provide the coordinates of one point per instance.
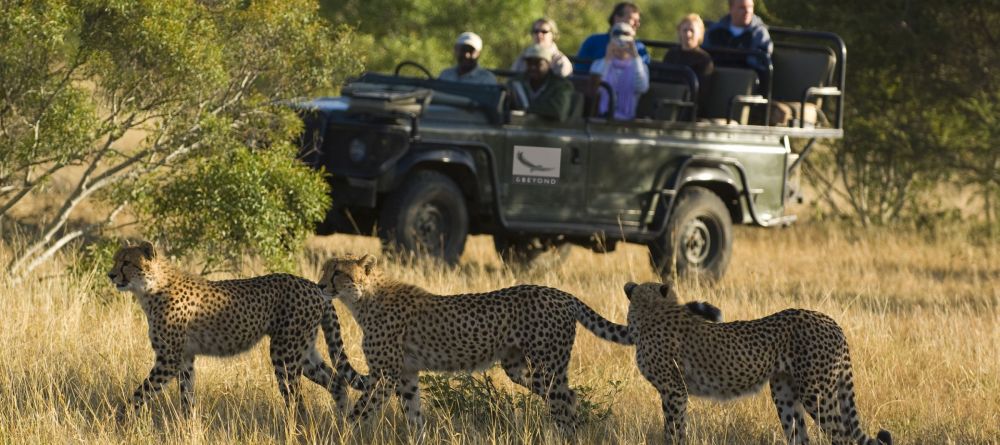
(357, 150)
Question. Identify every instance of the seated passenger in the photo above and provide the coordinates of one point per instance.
(541, 90)
(594, 47)
(467, 70)
(690, 34)
(624, 70)
(742, 29)
(545, 33)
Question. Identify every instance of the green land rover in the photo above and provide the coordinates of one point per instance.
(423, 163)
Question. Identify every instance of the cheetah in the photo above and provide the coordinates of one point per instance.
(190, 316)
(802, 354)
(529, 329)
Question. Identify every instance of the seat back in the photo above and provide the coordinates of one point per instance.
(727, 82)
(662, 100)
(799, 67)
(576, 106)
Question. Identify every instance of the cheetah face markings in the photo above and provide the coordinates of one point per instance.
(348, 278)
(129, 270)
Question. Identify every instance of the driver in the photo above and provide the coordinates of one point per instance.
(467, 70)
(543, 91)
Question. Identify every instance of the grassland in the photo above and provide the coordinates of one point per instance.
(922, 315)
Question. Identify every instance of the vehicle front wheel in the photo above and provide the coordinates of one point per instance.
(425, 215)
(698, 240)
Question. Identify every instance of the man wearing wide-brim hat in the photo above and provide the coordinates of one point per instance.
(547, 94)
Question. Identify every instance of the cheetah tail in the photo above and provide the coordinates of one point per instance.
(335, 346)
(601, 326)
(849, 412)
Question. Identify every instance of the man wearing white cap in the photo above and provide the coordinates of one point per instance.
(467, 70)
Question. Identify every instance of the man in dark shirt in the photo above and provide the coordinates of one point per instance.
(547, 95)
(742, 29)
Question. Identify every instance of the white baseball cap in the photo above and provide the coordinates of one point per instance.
(470, 38)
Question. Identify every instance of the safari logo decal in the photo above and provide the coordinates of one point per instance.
(536, 165)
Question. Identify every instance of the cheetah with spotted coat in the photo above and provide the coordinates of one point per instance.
(529, 329)
(190, 316)
(802, 354)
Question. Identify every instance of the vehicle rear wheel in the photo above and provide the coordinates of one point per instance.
(426, 215)
(530, 251)
(698, 240)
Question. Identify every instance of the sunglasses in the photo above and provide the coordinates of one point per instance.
(540, 31)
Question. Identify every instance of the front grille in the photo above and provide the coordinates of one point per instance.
(383, 145)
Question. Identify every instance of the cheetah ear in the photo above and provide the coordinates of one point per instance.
(665, 289)
(368, 262)
(629, 287)
(147, 250)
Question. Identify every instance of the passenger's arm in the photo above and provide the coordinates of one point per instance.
(561, 65)
(643, 53)
(641, 76)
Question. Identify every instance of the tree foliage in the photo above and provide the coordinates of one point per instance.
(923, 84)
(425, 30)
(203, 82)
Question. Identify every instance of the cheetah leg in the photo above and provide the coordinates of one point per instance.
(316, 370)
(515, 365)
(186, 378)
(379, 390)
(830, 417)
(164, 370)
(673, 400)
(287, 353)
(790, 411)
(553, 386)
(408, 390)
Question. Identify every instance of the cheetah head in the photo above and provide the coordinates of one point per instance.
(133, 268)
(658, 294)
(349, 278)
(650, 293)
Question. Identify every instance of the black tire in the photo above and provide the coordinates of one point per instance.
(699, 238)
(425, 215)
(530, 252)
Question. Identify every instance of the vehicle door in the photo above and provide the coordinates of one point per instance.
(624, 162)
(542, 169)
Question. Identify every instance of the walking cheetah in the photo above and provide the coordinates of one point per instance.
(802, 354)
(191, 316)
(529, 329)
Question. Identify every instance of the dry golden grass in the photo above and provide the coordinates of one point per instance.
(922, 317)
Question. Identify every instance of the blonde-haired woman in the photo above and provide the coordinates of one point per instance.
(545, 33)
(690, 35)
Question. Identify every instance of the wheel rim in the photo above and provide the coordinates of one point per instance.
(429, 227)
(696, 242)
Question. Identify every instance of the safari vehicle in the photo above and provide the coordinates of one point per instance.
(423, 163)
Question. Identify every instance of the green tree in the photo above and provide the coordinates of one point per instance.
(424, 30)
(203, 81)
(922, 84)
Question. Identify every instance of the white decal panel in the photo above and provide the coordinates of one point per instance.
(536, 165)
